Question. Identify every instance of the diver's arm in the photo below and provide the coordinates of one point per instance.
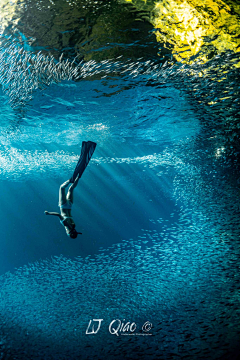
(52, 213)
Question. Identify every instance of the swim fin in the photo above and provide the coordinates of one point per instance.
(87, 151)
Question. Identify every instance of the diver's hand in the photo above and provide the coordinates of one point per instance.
(46, 212)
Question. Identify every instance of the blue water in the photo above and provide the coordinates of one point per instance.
(158, 206)
(49, 153)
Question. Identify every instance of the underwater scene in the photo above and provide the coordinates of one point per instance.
(120, 119)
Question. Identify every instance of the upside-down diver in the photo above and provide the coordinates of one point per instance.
(66, 201)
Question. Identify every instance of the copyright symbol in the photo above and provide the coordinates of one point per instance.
(146, 326)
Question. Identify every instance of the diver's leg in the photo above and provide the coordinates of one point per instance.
(71, 188)
(62, 194)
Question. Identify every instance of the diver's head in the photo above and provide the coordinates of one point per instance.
(73, 233)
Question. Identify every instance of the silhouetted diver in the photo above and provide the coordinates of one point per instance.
(66, 201)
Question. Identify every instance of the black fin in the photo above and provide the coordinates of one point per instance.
(87, 151)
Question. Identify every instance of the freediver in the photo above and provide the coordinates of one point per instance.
(65, 204)
(66, 201)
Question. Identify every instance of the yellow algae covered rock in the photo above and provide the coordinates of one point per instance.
(9, 13)
(192, 27)
(103, 29)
